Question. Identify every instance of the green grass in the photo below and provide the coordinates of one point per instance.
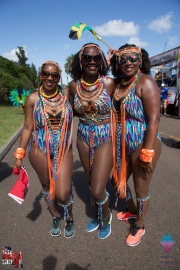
(10, 121)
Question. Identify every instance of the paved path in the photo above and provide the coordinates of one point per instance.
(26, 227)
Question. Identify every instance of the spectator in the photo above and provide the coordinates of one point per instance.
(163, 97)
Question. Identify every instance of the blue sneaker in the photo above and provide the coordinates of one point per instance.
(105, 227)
(55, 228)
(69, 230)
(92, 225)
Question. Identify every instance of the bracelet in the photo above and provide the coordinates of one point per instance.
(146, 155)
(20, 153)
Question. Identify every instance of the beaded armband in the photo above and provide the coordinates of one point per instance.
(20, 153)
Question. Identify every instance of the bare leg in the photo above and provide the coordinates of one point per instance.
(165, 109)
(101, 169)
(130, 203)
(63, 182)
(83, 150)
(38, 161)
(142, 179)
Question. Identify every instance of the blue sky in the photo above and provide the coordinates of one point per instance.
(42, 27)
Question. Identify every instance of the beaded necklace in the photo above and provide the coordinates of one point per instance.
(96, 84)
(126, 92)
(90, 84)
(54, 107)
(122, 82)
(41, 90)
(90, 90)
(89, 98)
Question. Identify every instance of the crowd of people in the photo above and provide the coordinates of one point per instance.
(117, 135)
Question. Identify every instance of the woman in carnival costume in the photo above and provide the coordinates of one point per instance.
(48, 130)
(135, 137)
(91, 90)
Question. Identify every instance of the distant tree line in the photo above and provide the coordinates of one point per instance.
(17, 75)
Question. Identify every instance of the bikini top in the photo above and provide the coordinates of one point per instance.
(134, 107)
(54, 119)
(101, 105)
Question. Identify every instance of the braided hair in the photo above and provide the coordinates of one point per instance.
(116, 72)
(75, 68)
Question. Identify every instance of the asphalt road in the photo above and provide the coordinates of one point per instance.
(26, 227)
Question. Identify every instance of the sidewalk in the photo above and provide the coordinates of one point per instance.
(6, 147)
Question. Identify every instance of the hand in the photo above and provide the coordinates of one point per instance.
(18, 164)
(110, 55)
(145, 166)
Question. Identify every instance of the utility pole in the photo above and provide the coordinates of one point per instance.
(163, 61)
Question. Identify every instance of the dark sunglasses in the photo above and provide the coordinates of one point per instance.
(89, 58)
(46, 74)
(132, 59)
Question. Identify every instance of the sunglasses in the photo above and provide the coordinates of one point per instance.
(88, 58)
(132, 59)
(46, 74)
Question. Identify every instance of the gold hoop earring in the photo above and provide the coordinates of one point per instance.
(38, 82)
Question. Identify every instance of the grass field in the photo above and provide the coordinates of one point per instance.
(10, 121)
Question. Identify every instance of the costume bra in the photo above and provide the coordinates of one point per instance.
(102, 105)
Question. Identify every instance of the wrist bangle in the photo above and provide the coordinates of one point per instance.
(20, 153)
(146, 155)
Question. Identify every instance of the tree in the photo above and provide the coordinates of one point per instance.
(68, 63)
(21, 56)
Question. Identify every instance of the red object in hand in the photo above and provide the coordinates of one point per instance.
(20, 188)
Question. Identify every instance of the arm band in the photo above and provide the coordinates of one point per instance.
(146, 155)
(20, 153)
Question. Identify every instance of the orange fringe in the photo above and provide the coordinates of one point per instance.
(60, 153)
(122, 175)
(113, 132)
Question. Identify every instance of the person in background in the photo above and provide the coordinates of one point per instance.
(21, 106)
(47, 133)
(177, 144)
(164, 100)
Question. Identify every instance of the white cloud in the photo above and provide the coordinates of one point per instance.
(172, 41)
(162, 23)
(137, 42)
(117, 28)
(66, 46)
(12, 54)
